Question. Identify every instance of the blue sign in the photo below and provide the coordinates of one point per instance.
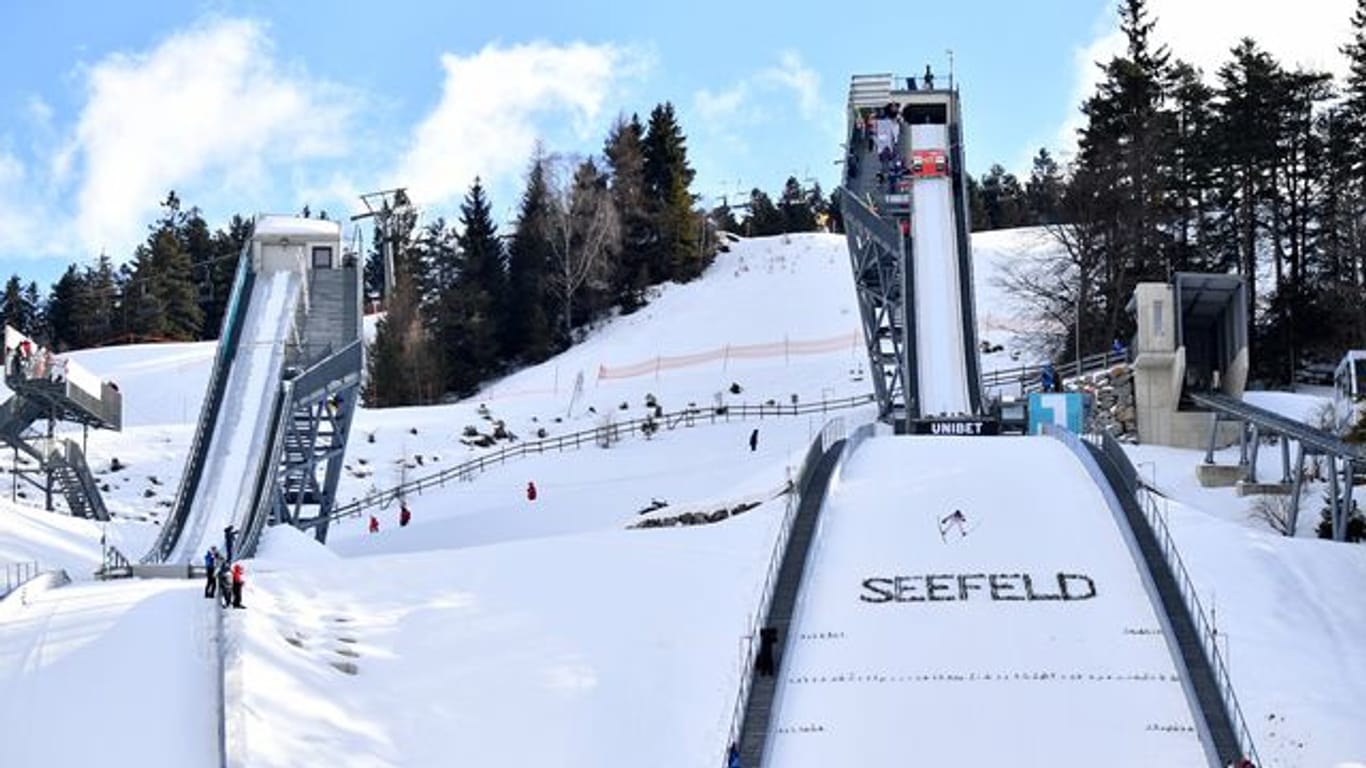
(1065, 409)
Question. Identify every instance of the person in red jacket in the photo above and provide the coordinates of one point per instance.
(374, 524)
(239, 580)
(404, 514)
(530, 491)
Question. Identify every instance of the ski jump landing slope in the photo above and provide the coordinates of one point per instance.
(1028, 641)
(110, 673)
(243, 435)
(942, 376)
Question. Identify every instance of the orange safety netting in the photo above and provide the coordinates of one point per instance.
(784, 348)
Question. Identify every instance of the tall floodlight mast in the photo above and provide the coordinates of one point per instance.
(383, 206)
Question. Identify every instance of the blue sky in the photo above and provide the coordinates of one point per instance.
(256, 106)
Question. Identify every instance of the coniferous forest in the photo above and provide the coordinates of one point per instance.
(1256, 169)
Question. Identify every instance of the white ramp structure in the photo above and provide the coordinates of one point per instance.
(272, 432)
(1022, 636)
(242, 439)
(942, 375)
(905, 214)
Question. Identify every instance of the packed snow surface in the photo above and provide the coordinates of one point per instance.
(940, 354)
(917, 636)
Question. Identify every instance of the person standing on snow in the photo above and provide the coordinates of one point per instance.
(211, 570)
(374, 524)
(404, 514)
(224, 583)
(530, 491)
(239, 580)
(754, 440)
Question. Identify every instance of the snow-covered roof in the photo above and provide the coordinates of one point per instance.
(273, 227)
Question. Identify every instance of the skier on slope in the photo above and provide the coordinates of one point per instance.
(374, 524)
(954, 520)
(404, 514)
(530, 491)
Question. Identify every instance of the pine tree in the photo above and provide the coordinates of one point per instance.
(1193, 171)
(977, 207)
(1248, 110)
(99, 321)
(763, 218)
(468, 310)
(15, 308)
(1352, 117)
(401, 365)
(624, 151)
(63, 307)
(164, 293)
(1043, 191)
(795, 208)
(1125, 154)
(677, 253)
(527, 328)
(226, 249)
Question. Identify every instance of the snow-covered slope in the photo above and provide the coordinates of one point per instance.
(498, 631)
(1029, 622)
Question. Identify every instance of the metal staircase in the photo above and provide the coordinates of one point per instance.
(320, 399)
(68, 394)
(67, 466)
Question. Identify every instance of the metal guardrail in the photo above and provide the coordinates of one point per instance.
(1027, 377)
(17, 574)
(595, 436)
(345, 364)
(830, 434)
(265, 478)
(115, 565)
(1209, 635)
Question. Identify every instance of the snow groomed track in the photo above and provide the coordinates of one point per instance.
(1032, 629)
(942, 377)
(242, 436)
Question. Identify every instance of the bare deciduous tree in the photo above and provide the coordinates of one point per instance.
(582, 228)
(1275, 511)
(1063, 288)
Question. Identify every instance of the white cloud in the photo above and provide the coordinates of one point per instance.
(208, 106)
(485, 124)
(722, 106)
(804, 81)
(1202, 33)
(17, 225)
